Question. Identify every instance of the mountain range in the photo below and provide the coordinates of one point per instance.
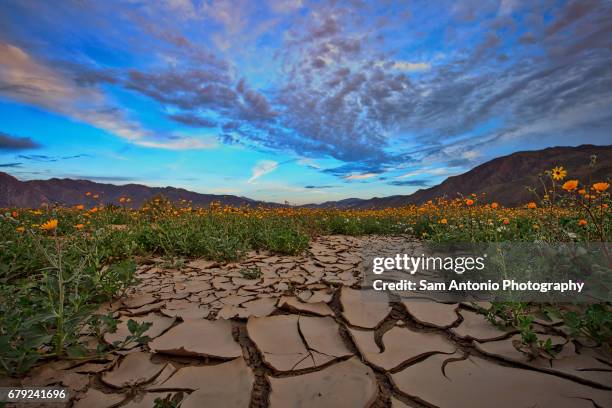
(503, 180)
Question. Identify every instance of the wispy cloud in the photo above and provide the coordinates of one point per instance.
(412, 183)
(262, 168)
(363, 176)
(411, 66)
(180, 143)
(14, 143)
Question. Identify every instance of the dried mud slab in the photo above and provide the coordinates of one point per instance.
(223, 385)
(159, 325)
(568, 362)
(346, 384)
(401, 346)
(476, 327)
(475, 382)
(185, 310)
(139, 300)
(322, 335)
(97, 399)
(257, 308)
(431, 313)
(293, 304)
(136, 368)
(363, 308)
(199, 338)
(292, 342)
(49, 375)
(279, 341)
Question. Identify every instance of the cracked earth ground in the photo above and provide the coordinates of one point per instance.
(303, 334)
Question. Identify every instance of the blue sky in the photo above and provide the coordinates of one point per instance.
(297, 100)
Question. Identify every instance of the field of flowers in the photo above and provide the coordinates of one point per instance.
(57, 265)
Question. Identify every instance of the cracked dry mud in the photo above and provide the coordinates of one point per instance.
(304, 334)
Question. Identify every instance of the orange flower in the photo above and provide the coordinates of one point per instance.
(96, 196)
(79, 226)
(570, 185)
(582, 223)
(494, 206)
(79, 207)
(582, 191)
(88, 194)
(20, 230)
(601, 187)
(469, 202)
(49, 225)
(15, 214)
(532, 205)
(443, 221)
(122, 200)
(506, 221)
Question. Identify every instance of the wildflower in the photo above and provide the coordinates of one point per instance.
(96, 196)
(122, 200)
(469, 202)
(570, 185)
(444, 221)
(506, 221)
(532, 205)
(14, 214)
(79, 207)
(79, 226)
(49, 225)
(582, 222)
(582, 191)
(88, 194)
(601, 187)
(20, 230)
(558, 173)
(494, 206)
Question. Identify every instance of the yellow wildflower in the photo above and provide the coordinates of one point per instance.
(558, 173)
(49, 225)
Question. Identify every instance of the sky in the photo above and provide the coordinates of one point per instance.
(296, 100)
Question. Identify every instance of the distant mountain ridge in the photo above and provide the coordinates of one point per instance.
(503, 179)
(69, 192)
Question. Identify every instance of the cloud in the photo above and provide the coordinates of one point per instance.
(262, 168)
(48, 159)
(309, 163)
(442, 171)
(25, 79)
(180, 143)
(101, 178)
(415, 183)
(412, 66)
(332, 80)
(192, 120)
(10, 165)
(318, 187)
(363, 176)
(9, 142)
